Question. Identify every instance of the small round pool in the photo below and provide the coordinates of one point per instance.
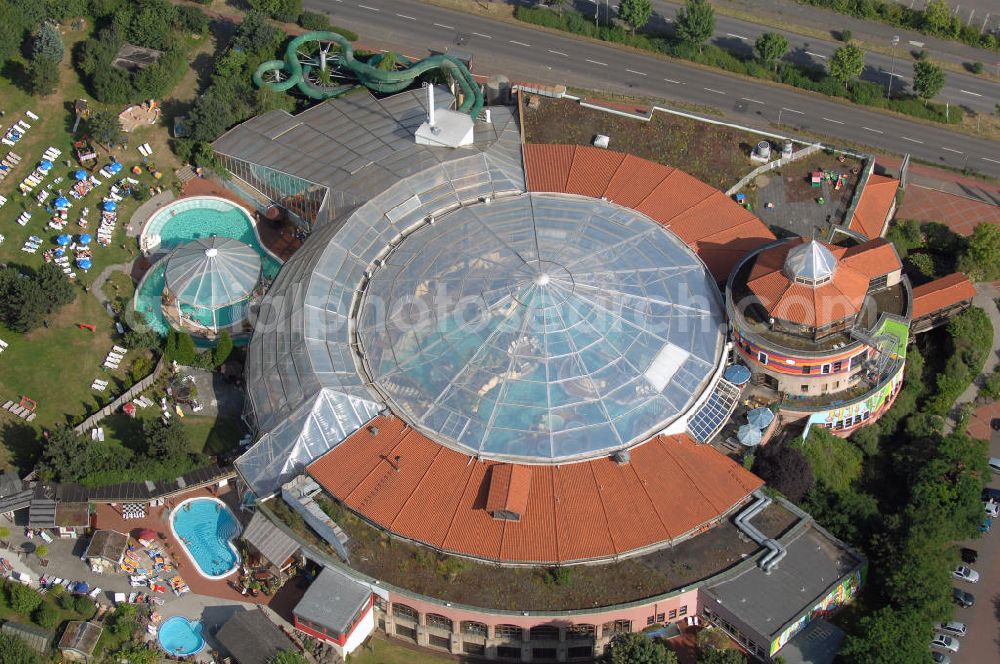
(181, 637)
(206, 528)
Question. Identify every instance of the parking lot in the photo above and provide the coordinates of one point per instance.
(982, 643)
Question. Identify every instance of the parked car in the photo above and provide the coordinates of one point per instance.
(945, 642)
(995, 423)
(969, 556)
(985, 526)
(964, 573)
(952, 627)
(963, 598)
(940, 657)
(995, 464)
(991, 494)
(992, 509)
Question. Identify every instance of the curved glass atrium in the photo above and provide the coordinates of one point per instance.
(540, 327)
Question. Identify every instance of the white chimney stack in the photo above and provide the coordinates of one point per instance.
(430, 106)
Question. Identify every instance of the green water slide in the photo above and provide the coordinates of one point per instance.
(319, 72)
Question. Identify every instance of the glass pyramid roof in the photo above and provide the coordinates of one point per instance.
(212, 272)
(811, 262)
(541, 327)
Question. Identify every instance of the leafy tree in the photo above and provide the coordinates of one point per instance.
(124, 620)
(771, 47)
(256, 34)
(191, 19)
(170, 349)
(166, 441)
(146, 22)
(635, 12)
(22, 599)
(14, 650)
(210, 116)
(282, 10)
(835, 463)
(288, 657)
(41, 551)
(785, 468)
(928, 79)
(83, 605)
(314, 21)
(847, 63)
(139, 654)
(48, 43)
(64, 456)
(971, 334)
(695, 22)
(45, 616)
(186, 351)
(42, 77)
(991, 387)
(981, 260)
(140, 368)
(223, 348)
(4, 532)
(142, 339)
(387, 62)
(851, 515)
(58, 290)
(937, 17)
(105, 128)
(722, 656)
(635, 648)
(888, 636)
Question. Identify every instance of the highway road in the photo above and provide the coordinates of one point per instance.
(973, 92)
(522, 52)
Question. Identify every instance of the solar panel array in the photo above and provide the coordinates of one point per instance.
(705, 424)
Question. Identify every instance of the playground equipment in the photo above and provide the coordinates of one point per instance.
(319, 72)
(87, 326)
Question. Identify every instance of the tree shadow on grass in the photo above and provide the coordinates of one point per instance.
(21, 441)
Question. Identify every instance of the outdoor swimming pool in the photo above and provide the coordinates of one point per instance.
(180, 636)
(181, 222)
(205, 527)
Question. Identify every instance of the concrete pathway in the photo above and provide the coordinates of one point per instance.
(146, 210)
(986, 293)
(105, 274)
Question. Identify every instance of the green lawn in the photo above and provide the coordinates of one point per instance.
(207, 434)
(380, 650)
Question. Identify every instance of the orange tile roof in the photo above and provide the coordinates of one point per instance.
(872, 210)
(941, 293)
(841, 297)
(510, 485)
(715, 227)
(580, 511)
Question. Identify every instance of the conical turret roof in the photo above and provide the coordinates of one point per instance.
(810, 262)
(212, 272)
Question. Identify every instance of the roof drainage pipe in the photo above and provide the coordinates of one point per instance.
(775, 552)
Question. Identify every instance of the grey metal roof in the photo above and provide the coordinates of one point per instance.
(332, 600)
(38, 638)
(42, 513)
(269, 540)
(817, 643)
(766, 603)
(10, 483)
(16, 501)
(251, 637)
(810, 261)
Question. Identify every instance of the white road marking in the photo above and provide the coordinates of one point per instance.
(371, 9)
(718, 92)
(595, 62)
(752, 101)
(729, 34)
(670, 80)
(874, 131)
(911, 140)
(479, 34)
(833, 121)
(955, 151)
(408, 18)
(558, 53)
(988, 159)
(974, 94)
(520, 43)
(792, 110)
(917, 44)
(632, 71)
(816, 55)
(442, 25)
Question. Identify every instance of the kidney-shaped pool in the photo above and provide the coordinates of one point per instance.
(205, 527)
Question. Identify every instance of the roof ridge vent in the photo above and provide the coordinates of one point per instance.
(622, 457)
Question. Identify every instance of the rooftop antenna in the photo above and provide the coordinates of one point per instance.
(430, 110)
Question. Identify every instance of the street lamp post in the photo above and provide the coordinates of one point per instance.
(892, 67)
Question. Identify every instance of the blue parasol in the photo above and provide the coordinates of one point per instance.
(60, 252)
(83, 263)
(749, 435)
(63, 240)
(114, 167)
(61, 203)
(110, 206)
(85, 239)
(80, 174)
(737, 374)
(45, 165)
(760, 417)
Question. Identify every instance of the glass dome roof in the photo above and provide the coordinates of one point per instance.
(541, 327)
(810, 262)
(212, 272)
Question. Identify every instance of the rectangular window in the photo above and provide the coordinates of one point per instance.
(672, 614)
(762, 357)
(805, 388)
(473, 648)
(650, 620)
(660, 617)
(806, 370)
(826, 368)
(683, 611)
(580, 652)
(837, 366)
(436, 641)
(507, 652)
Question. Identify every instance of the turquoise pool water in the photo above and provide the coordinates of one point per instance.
(181, 222)
(180, 636)
(206, 528)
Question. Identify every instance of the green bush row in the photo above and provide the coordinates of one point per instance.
(320, 21)
(929, 22)
(863, 93)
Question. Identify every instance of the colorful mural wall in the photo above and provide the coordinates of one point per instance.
(848, 416)
(843, 593)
